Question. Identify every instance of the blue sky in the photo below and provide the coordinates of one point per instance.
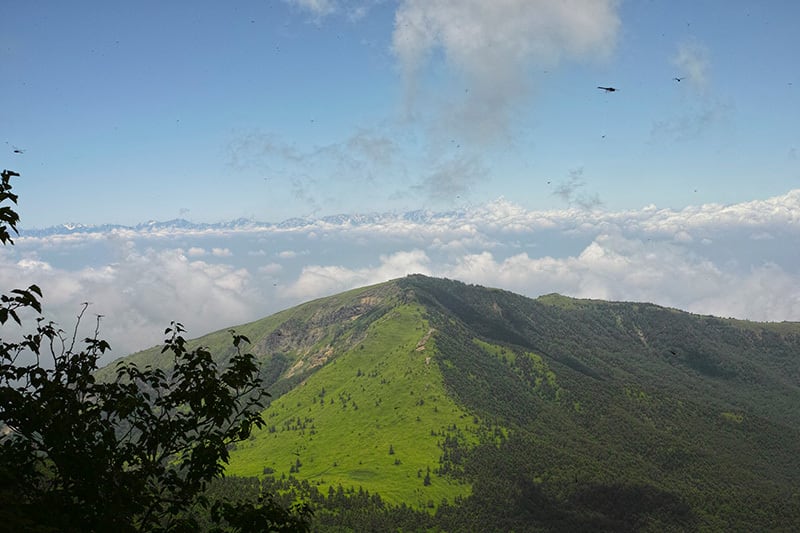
(483, 115)
(273, 109)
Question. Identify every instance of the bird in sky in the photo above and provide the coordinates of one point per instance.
(608, 89)
(678, 79)
(15, 149)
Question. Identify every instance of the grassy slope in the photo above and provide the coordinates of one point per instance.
(384, 392)
(592, 393)
(380, 391)
(304, 315)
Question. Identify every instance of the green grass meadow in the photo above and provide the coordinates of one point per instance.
(370, 418)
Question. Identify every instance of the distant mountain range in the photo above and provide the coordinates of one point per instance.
(418, 216)
(429, 404)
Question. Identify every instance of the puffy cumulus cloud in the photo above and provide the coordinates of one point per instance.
(288, 254)
(34, 265)
(195, 251)
(315, 281)
(461, 245)
(782, 212)
(670, 257)
(611, 267)
(616, 268)
(221, 252)
(140, 294)
(767, 292)
(495, 45)
(270, 269)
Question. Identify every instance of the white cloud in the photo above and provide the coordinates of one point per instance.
(270, 269)
(732, 260)
(32, 265)
(766, 293)
(221, 252)
(611, 268)
(141, 294)
(495, 45)
(316, 280)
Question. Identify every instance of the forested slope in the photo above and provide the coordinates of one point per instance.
(424, 403)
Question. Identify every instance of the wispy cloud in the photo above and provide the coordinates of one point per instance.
(365, 158)
(451, 179)
(701, 110)
(317, 8)
(490, 52)
(494, 47)
(572, 191)
(692, 122)
(693, 62)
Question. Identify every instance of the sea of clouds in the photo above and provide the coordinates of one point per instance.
(740, 260)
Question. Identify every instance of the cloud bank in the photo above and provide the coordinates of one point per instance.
(740, 260)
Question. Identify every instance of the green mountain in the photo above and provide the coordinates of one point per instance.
(425, 403)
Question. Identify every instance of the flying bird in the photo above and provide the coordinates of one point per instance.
(678, 79)
(15, 149)
(608, 89)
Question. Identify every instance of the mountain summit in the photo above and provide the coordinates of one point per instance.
(480, 409)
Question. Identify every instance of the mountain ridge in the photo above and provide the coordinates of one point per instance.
(354, 219)
(384, 386)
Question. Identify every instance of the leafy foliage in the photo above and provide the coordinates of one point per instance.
(131, 454)
(8, 217)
